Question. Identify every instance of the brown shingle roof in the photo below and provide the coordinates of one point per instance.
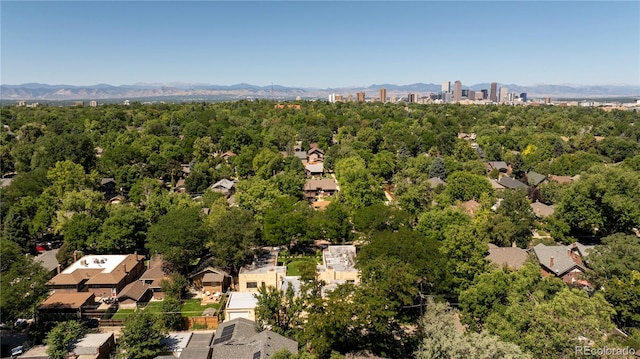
(512, 257)
(66, 300)
(325, 184)
(134, 290)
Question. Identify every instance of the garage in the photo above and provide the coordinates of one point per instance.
(241, 305)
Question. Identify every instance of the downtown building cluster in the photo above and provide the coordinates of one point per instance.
(448, 94)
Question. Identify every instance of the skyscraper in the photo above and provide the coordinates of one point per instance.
(411, 98)
(446, 86)
(471, 95)
(457, 91)
(503, 94)
(523, 96)
(383, 95)
(485, 94)
(360, 96)
(493, 96)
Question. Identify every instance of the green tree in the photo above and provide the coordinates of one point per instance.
(462, 186)
(179, 236)
(440, 339)
(465, 248)
(516, 206)
(23, 283)
(171, 316)
(278, 311)
(61, 337)
(234, 233)
(123, 231)
(603, 201)
(141, 336)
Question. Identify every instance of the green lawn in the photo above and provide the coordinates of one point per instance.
(153, 307)
(192, 308)
(123, 313)
(292, 267)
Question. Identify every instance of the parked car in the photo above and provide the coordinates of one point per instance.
(20, 323)
(15, 352)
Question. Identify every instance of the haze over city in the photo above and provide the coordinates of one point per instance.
(321, 45)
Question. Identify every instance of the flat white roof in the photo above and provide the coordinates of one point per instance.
(105, 262)
(176, 341)
(240, 300)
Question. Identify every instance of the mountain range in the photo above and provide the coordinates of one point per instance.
(198, 91)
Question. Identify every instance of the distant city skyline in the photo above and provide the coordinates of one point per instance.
(320, 44)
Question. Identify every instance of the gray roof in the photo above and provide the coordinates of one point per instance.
(582, 249)
(242, 341)
(195, 353)
(107, 180)
(90, 343)
(293, 281)
(512, 257)
(134, 290)
(562, 261)
(535, 178)
(48, 259)
(199, 340)
(500, 165)
(340, 258)
(224, 183)
(315, 168)
(325, 184)
(541, 210)
(300, 154)
(511, 183)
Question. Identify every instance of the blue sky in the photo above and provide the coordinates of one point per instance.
(320, 44)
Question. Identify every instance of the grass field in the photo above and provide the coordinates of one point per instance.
(123, 313)
(292, 267)
(192, 308)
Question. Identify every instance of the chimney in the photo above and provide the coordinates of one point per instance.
(75, 256)
(58, 269)
(551, 262)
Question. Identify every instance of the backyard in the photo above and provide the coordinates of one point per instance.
(190, 308)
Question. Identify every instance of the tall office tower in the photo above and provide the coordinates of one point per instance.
(411, 98)
(493, 96)
(502, 95)
(332, 98)
(350, 98)
(471, 95)
(457, 91)
(480, 96)
(485, 94)
(383, 95)
(465, 93)
(360, 96)
(523, 96)
(446, 86)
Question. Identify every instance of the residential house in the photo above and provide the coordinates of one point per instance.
(224, 186)
(211, 280)
(467, 136)
(180, 186)
(315, 155)
(117, 199)
(542, 210)
(501, 166)
(263, 271)
(94, 346)
(562, 262)
(511, 183)
(320, 188)
(134, 293)
(240, 339)
(65, 306)
(154, 275)
(241, 305)
(176, 342)
(338, 265)
(301, 155)
(103, 275)
(534, 179)
(49, 261)
(561, 179)
(511, 257)
(496, 186)
(314, 169)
